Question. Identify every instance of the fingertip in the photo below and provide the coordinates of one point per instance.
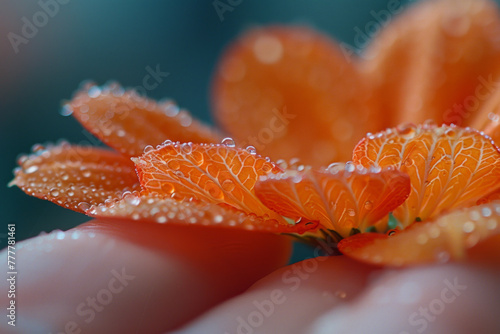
(287, 300)
(109, 276)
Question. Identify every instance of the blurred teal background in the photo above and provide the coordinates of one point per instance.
(117, 40)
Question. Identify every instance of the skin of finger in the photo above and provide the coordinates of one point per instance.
(132, 277)
(286, 300)
(452, 298)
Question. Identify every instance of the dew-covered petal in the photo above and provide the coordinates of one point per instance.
(449, 167)
(75, 177)
(152, 208)
(129, 122)
(339, 198)
(439, 61)
(291, 92)
(471, 233)
(211, 173)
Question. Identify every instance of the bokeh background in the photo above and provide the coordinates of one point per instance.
(117, 40)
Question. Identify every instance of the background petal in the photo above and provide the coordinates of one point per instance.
(438, 61)
(291, 92)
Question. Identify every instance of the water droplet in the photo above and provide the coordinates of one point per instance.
(75, 235)
(486, 212)
(494, 117)
(228, 185)
(161, 219)
(434, 232)
(406, 130)
(392, 232)
(351, 212)
(422, 239)
(197, 158)
(174, 165)
(66, 110)
(361, 170)
(368, 205)
(340, 294)
(297, 178)
(187, 148)
(268, 49)
(84, 206)
(86, 173)
(443, 256)
(184, 118)
(94, 92)
(170, 109)
(31, 169)
(468, 227)
(214, 190)
(132, 199)
(148, 148)
(408, 162)
(218, 219)
(251, 150)
(84, 108)
(474, 215)
(37, 148)
(60, 235)
(22, 159)
(166, 143)
(54, 192)
(229, 142)
(168, 188)
(334, 167)
(349, 166)
(450, 133)
(492, 224)
(282, 164)
(430, 123)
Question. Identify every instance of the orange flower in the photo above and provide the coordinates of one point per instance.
(292, 93)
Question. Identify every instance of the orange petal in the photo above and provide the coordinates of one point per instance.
(75, 177)
(291, 92)
(340, 199)
(212, 173)
(437, 61)
(171, 211)
(453, 236)
(494, 196)
(449, 167)
(128, 122)
(488, 119)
